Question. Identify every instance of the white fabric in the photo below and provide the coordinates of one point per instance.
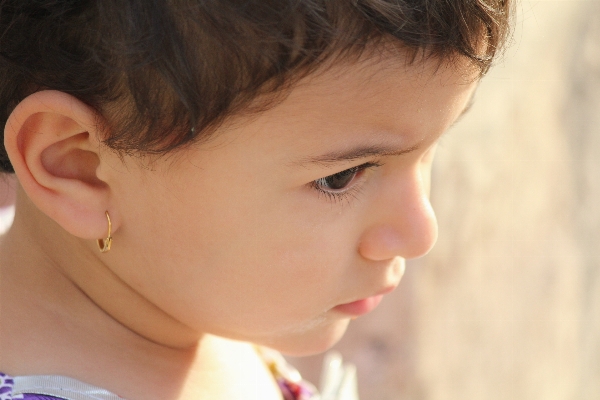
(338, 379)
(62, 387)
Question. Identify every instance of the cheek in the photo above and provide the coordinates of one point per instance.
(277, 282)
(242, 265)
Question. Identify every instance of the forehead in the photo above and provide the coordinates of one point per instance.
(380, 100)
(385, 94)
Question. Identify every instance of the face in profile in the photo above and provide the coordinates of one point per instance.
(291, 221)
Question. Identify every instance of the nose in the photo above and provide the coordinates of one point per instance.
(402, 221)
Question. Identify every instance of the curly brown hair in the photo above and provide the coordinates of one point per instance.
(176, 68)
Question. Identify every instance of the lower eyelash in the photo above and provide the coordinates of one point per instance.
(338, 197)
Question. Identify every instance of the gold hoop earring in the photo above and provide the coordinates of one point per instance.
(104, 244)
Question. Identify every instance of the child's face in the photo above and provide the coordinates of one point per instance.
(234, 238)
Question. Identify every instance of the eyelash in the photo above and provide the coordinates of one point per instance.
(348, 192)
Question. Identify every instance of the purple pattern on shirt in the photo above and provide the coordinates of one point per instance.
(39, 397)
(6, 388)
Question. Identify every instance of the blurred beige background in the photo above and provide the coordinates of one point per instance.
(507, 305)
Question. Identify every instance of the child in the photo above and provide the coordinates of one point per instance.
(199, 181)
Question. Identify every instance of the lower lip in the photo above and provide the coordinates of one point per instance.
(360, 307)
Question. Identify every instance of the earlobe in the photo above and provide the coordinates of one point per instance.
(52, 140)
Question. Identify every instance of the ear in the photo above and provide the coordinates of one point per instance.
(53, 142)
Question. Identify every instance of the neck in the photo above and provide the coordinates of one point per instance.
(76, 318)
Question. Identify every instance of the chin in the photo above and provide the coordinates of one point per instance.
(310, 342)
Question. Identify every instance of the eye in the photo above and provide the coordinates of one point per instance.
(340, 185)
(338, 181)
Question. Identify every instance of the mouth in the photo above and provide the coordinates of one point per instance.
(360, 307)
(363, 306)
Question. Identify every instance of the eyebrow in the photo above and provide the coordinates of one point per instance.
(366, 151)
(353, 154)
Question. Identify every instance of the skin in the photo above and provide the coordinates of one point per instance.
(220, 244)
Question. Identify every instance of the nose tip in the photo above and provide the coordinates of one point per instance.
(408, 233)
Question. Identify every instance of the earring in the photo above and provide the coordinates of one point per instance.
(104, 244)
